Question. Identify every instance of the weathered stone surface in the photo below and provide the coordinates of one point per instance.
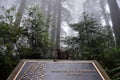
(59, 70)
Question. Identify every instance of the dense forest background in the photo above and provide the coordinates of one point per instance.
(38, 31)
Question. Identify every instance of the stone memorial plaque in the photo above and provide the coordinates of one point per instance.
(58, 70)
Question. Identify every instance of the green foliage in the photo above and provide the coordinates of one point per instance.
(91, 41)
(9, 34)
(28, 40)
(36, 35)
(112, 63)
(94, 42)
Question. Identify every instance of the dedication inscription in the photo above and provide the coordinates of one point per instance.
(60, 70)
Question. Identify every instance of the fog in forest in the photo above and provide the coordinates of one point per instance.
(60, 29)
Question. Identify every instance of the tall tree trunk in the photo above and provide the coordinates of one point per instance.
(44, 9)
(43, 5)
(48, 14)
(115, 16)
(59, 11)
(49, 8)
(102, 5)
(53, 26)
(20, 12)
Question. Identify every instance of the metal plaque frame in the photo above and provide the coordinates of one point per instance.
(16, 72)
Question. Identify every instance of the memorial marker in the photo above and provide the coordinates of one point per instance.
(58, 70)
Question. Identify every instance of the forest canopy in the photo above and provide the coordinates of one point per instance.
(39, 32)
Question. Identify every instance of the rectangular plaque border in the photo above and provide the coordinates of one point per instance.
(97, 66)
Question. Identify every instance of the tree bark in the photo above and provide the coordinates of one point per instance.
(20, 12)
(102, 5)
(115, 17)
(59, 11)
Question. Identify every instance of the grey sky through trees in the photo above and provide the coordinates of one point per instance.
(71, 11)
